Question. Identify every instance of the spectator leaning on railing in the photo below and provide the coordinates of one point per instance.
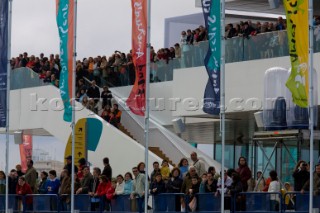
(23, 188)
(316, 182)
(99, 186)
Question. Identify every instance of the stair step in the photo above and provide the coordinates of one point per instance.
(155, 150)
(159, 152)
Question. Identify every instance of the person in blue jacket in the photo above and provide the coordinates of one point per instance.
(128, 184)
(43, 186)
(53, 189)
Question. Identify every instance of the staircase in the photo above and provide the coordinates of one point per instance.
(155, 150)
(159, 153)
(125, 131)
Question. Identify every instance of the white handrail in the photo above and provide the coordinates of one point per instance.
(185, 150)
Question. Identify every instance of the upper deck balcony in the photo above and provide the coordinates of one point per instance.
(238, 49)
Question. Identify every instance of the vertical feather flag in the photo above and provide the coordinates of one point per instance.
(25, 151)
(298, 40)
(65, 22)
(136, 100)
(211, 11)
(3, 60)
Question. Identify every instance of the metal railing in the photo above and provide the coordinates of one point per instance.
(298, 202)
(166, 202)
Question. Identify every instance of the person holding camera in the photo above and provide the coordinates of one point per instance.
(300, 175)
(316, 182)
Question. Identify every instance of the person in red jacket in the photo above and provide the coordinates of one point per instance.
(24, 189)
(111, 190)
(244, 172)
(110, 193)
(103, 186)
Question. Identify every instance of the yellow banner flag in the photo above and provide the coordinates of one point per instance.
(80, 149)
(298, 40)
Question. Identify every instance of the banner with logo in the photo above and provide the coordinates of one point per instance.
(25, 151)
(211, 11)
(65, 22)
(136, 100)
(3, 60)
(298, 40)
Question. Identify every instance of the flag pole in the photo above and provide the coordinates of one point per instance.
(222, 104)
(73, 122)
(311, 102)
(146, 116)
(8, 103)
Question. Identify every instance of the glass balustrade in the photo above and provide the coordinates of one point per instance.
(238, 49)
(23, 77)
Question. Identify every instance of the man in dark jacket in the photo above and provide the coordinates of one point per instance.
(156, 169)
(93, 189)
(107, 171)
(93, 92)
(106, 96)
(13, 181)
(86, 181)
(68, 166)
(301, 176)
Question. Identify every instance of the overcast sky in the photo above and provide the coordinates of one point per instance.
(103, 25)
(54, 147)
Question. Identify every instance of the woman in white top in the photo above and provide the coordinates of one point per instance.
(120, 185)
(274, 187)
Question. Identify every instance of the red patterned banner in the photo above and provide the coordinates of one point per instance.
(25, 151)
(136, 101)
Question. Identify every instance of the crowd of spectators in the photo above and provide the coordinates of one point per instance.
(191, 179)
(187, 178)
(98, 102)
(119, 70)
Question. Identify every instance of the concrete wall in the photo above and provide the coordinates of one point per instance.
(244, 85)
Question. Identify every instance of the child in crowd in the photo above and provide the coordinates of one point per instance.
(184, 167)
(260, 182)
(165, 170)
(288, 198)
(192, 191)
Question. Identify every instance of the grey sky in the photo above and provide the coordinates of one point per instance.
(54, 147)
(103, 25)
